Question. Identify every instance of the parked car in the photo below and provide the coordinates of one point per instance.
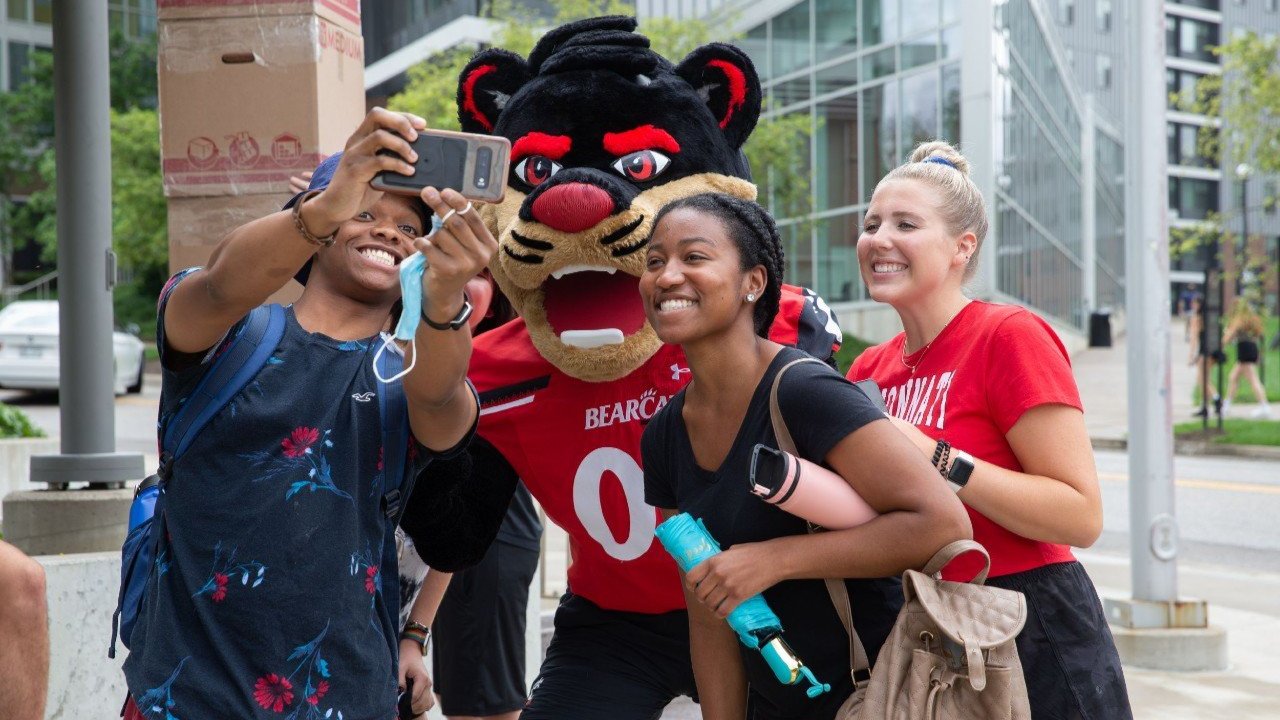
(29, 349)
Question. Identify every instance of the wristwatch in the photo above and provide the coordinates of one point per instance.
(458, 321)
(417, 633)
(961, 468)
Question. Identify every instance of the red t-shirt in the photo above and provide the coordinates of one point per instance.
(990, 365)
(576, 447)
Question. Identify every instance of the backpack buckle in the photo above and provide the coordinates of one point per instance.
(391, 503)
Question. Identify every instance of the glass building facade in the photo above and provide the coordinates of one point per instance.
(876, 77)
(872, 79)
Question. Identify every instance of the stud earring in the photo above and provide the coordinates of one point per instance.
(751, 297)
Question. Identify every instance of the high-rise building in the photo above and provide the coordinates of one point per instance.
(876, 77)
(1199, 187)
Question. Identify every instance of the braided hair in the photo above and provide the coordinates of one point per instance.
(756, 235)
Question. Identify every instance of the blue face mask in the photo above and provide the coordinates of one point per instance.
(411, 272)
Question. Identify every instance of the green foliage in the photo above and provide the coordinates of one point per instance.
(1193, 239)
(850, 348)
(139, 213)
(1246, 97)
(1237, 431)
(15, 424)
(778, 151)
(133, 72)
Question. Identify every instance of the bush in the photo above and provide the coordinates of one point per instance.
(15, 424)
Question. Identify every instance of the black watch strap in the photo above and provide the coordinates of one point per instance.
(457, 322)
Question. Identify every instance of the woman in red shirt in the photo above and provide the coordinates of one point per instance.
(986, 392)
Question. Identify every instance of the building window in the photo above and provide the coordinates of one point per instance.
(1202, 4)
(1067, 12)
(18, 10)
(1104, 16)
(43, 12)
(1191, 39)
(1104, 72)
(791, 41)
(1191, 198)
(1272, 4)
(1183, 146)
(19, 63)
(1183, 84)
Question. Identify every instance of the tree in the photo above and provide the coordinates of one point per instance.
(1245, 99)
(772, 149)
(139, 212)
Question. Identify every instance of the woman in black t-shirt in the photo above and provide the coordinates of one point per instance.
(711, 284)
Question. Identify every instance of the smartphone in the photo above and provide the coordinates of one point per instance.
(474, 165)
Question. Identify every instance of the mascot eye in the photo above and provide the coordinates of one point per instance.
(536, 169)
(642, 166)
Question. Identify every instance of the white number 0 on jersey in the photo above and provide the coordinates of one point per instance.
(586, 502)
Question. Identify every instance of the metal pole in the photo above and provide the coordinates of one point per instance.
(86, 265)
(1153, 531)
(83, 145)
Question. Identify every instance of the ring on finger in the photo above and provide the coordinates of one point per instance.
(448, 215)
(466, 209)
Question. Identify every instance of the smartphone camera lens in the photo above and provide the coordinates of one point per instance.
(484, 158)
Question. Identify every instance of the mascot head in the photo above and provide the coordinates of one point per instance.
(604, 132)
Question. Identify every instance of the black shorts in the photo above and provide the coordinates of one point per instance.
(611, 664)
(1246, 351)
(1068, 657)
(478, 664)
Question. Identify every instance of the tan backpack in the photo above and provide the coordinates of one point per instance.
(952, 652)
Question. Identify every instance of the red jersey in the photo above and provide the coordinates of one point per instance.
(576, 447)
(991, 364)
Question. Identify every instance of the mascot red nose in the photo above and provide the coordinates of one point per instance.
(604, 133)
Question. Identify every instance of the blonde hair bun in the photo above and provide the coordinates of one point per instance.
(943, 151)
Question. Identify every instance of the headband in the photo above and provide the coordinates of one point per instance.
(939, 160)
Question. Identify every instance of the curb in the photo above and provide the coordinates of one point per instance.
(1198, 447)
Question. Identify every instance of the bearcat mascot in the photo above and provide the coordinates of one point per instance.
(604, 133)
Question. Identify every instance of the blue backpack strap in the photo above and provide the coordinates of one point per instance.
(393, 410)
(231, 371)
(239, 362)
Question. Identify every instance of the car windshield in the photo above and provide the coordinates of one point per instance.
(29, 316)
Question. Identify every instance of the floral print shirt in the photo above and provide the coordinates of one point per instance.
(267, 600)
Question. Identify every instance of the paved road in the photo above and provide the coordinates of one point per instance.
(135, 414)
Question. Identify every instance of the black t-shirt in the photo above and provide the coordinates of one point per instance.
(820, 408)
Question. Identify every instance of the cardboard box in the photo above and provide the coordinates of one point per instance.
(248, 101)
(197, 225)
(344, 13)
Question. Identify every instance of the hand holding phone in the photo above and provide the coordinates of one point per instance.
(474, 165)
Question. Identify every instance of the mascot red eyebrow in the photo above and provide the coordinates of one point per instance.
(604, 133)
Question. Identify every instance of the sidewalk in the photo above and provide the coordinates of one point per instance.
(1102, 375)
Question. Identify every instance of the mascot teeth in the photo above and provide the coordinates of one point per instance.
(571, 269)
(587, 339)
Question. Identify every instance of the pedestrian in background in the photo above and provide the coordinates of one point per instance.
(1203, 359)
(986, 391)
(1246, 329)
(478, 623)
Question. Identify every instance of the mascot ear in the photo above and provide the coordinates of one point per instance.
(724, 76)
(486, 85)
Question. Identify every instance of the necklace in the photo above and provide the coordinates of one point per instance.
(925, 350)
